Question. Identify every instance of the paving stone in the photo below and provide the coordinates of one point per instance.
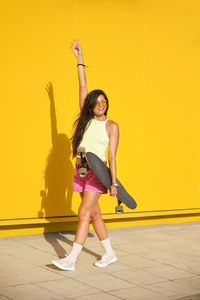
(105, 282)
(16, 280)
(46, 246)
(160, 256)
(28, 292)
(138, 293)
(169, 272)
(4, 297)
(82, 272)
(192, 281)
(173, 289)
(188, 266)
(159, 245)
(139, 277)
(68, 287)
(99, 296)
(116, 267)
(150, 236)
(28, 276)
(137, 261)
(132, 248)
(191, 297)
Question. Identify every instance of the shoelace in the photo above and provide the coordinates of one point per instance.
(106, 257)
(65, 259)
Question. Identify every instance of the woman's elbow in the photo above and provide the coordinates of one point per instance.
(111, 158)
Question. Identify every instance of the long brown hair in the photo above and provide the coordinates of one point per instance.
(85, 116)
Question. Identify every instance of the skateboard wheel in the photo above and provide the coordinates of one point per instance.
(82, 172)
(119, 209)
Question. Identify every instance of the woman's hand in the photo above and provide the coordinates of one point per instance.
(76, 48)
(113, 191)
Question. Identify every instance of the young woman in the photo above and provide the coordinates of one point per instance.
(93, 131)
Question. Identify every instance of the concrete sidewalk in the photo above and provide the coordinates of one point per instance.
(154, 262)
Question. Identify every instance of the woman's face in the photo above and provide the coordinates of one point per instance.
(100, 107)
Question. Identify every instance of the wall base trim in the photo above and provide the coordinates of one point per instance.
(44, 225)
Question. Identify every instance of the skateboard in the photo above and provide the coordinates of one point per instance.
(103, 174)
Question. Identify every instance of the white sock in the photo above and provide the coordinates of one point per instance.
(107, 246)
(76, 249)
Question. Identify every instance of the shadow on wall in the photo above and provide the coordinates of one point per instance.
(58, 173)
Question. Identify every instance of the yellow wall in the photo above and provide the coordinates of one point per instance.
(145, 56)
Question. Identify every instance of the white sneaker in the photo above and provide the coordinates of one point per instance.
(106, 260)
(64, 263)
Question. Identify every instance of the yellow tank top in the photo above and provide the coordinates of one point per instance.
(95, 138)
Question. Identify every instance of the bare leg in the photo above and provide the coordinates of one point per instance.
(102, 234)
(89, 202)
(98, 223)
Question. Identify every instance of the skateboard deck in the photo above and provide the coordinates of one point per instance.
(103, 174)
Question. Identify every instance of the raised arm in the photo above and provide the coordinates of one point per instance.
(83, 91)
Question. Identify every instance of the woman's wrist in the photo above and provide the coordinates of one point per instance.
(80, 65)
(115, 184)
(80, 60)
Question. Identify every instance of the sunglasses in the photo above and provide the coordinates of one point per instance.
(102, 102)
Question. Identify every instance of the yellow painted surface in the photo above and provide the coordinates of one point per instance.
(145, 56)
(15, 230)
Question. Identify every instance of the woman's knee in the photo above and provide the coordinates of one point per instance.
(95, 215)
(83, 214)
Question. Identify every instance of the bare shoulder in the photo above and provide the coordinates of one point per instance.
(112, 124)
(112, 127)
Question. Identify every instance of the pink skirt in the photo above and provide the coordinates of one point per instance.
(89, 183)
